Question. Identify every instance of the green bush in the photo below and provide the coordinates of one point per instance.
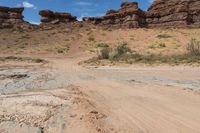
(104, 53)
(113, 54)
(193, 47)
(122, 53)
(121, 50)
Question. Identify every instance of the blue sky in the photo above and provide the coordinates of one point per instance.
(78, 8)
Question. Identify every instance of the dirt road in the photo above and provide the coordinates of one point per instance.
(134, 99)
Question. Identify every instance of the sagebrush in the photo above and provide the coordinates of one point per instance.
(193, 47)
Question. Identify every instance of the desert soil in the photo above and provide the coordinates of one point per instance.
(62, 96)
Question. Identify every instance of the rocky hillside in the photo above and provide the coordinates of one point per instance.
(129, 15)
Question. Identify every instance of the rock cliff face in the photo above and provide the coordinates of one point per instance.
(50, 17)
(194, 12)
(174, 13)
(162, 13)
(128, 16)
(10, 17)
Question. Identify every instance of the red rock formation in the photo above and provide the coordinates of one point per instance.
(56, 17)
(10, 16)
(173, 13)
(162, 13)
(129, 16)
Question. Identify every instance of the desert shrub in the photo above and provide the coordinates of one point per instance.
(157, 45)
(91, 39)
(104, 53)
(103, 34)
(101, 45)
(15, 58)
(122, 53)
(39, 60)
(60, 51)
(113, 54)
(21, 30)
(122, 48)
(193, 47)
(163, 36)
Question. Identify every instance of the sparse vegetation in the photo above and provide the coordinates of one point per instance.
(91, 38)
(107, 53)
(101, 45)
(103, 34)
(157, 59)
(25, 59)
(122, 53)
(160, 36)
(123, 48)
(193, 47)
(48, 115)
(61, 50)
(150, 59)
(21, 30)
(104, 53)
(157, 45)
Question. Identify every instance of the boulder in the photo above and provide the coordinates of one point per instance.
(46, 13)
(50, 17)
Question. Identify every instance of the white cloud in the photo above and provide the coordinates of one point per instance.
(89, 15)
(36, 23)
(81, 3)
(83, 15)
(27, 4)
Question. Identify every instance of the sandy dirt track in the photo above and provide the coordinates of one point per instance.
(133, 103)
(135, 99)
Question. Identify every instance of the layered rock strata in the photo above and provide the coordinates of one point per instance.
(129, 15)
(10, 17)
(174, 13)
